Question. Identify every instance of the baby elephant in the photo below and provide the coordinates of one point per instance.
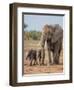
(40, 56)
(32, 56)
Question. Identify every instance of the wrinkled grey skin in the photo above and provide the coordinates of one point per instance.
(52, 35)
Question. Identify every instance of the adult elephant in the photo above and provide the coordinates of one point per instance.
(52, 35)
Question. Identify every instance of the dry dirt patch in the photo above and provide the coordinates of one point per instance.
(43, 69)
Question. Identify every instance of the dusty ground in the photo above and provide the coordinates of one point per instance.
(36, 69)
(43, 69)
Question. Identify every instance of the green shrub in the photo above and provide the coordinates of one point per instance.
(34, 35)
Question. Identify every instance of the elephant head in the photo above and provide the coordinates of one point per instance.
(51, 33)
(47, 34)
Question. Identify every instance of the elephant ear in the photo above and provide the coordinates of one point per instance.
(57, 34)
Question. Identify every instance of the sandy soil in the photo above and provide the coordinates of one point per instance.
(43, 69)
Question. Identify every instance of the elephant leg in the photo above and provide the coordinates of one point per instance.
(39, 61)
(31, 62)
(43, 56)
(56, 53)
(49, 56)
(52, 58)
(34, 62)
(56, 58)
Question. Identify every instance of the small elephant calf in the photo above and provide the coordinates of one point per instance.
(32, 56)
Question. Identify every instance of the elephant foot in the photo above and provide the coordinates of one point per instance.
(34, 64)
(51, 63)
(37, 63)
(30, 64)
(42, 64)
(56, 62)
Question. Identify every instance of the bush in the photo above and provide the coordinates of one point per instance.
(34, 35)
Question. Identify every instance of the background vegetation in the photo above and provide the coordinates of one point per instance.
(32, 35)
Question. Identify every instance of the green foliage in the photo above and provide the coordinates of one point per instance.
(34, 35)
